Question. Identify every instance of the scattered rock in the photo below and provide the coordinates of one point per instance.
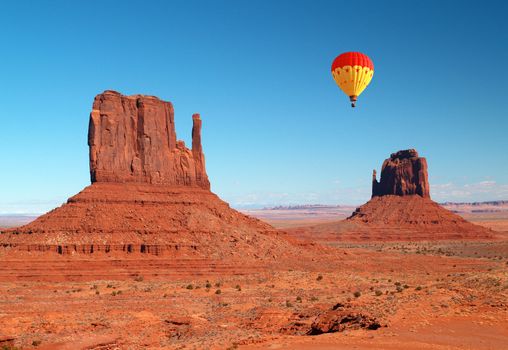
(340, 319)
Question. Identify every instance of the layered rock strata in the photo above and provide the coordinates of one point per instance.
(133, 139)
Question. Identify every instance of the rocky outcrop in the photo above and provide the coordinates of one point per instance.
(401, 208)
(133, 139)
(404, 173)
(149, 194)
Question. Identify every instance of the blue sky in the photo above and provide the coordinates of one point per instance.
(276, 128)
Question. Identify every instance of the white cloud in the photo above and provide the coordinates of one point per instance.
(472, 192)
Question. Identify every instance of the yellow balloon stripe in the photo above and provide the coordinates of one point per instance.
(353, 80)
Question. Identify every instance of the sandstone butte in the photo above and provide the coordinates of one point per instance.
(148, 194)
(400, 209)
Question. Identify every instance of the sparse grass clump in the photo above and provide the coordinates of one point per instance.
(288, 304)
(139, 278)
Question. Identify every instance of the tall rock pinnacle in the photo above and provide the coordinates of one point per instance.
(404, 173)
(133, 139)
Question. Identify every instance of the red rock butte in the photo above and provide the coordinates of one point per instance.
(400, 209)
(133, 139)
(404, 173)
(402, 200)
(149, 194)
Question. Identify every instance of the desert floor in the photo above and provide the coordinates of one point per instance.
(425, 295)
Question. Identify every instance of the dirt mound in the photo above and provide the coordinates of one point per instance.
(421, 217)
(107, 217)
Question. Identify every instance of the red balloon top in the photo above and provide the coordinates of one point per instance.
(352, 59)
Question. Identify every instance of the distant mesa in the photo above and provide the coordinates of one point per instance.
(400, 209)
(149, 194)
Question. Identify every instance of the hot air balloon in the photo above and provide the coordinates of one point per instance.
(352, 72)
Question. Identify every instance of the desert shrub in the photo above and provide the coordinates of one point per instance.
(288, 304)
(357, 294)
(139, 278)
(319, 278)
(314, 298)
(36, 343)
(109, 286)
(378, 292)
(238, 288)
(190, 286)
(218, 284)
(97, 292)
(218, 291)
(406, 286)
(399, 289)
(397, 284)
(299, 299)
(418, 288)
(208, 285)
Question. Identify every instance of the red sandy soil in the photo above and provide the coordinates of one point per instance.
(240, 289)
(431, 300)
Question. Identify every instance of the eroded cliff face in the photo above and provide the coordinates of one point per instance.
(133, 139)
(149, 194)
(404, 173)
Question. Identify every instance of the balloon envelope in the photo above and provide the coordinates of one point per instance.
(352, 72)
